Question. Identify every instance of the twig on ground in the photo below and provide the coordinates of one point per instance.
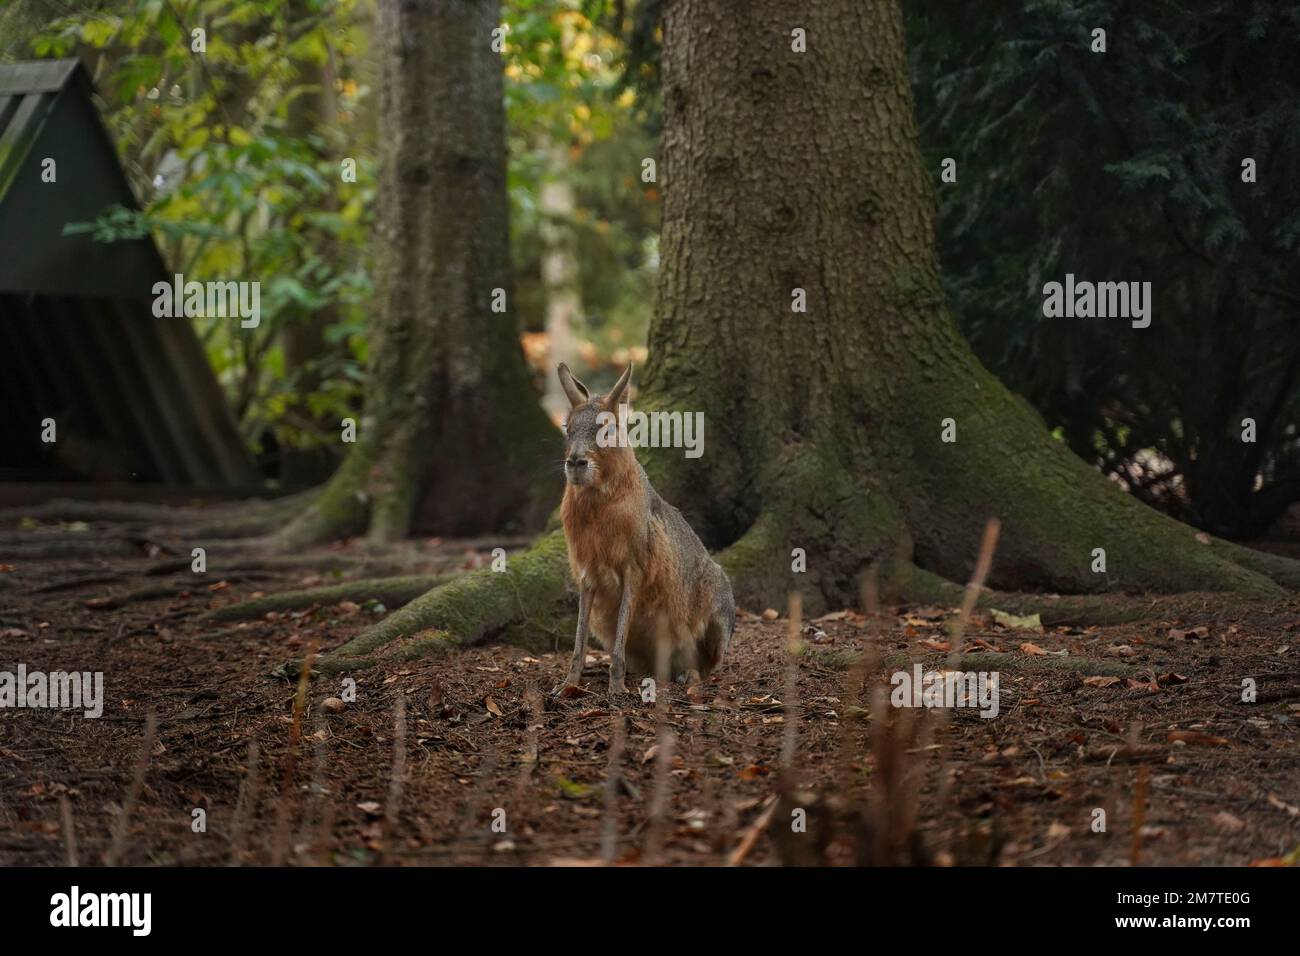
(752, 834)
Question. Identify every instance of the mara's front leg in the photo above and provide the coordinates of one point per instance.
(579, 641)
(618, 657)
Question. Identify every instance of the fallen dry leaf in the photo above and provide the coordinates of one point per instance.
(936, 645)
(931, 612)
(1030, 622)
(1028, 648)
(1198, 738)
(492, 707)
(1100, 681)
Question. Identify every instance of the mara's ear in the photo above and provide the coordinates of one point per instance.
(618, 393)
(577, 392)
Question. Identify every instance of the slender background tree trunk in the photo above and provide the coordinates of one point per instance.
(559, 274)
(304, 335)
(453, 438)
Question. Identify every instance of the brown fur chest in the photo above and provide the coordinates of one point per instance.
(606, 534)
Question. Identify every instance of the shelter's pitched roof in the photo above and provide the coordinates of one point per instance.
(27, 94)
(133, 394)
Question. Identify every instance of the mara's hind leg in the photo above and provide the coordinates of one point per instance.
(716, 639)
(686, 663)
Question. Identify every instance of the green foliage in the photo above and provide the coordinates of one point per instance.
(1126, 166)
(565, 96)
(234, 153)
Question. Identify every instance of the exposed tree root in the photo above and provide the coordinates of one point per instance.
(140, 513)
(827, 530)
(82, 546)
(921, 587)
(113, 601)
(391, 592)
(120, 512)
(529, 603)
(1285, 571)
(839, 659)
(826, 523)
(39, 539)
(339, 511)
(70, 584)
(238, 560)
(373, 564)
(525, 602)
(1065, 527)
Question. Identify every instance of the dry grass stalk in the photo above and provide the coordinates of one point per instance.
(316, 789)
(122, 825)
(613, 778)
(246, 805)
(791, 694)
(397, 778)
(1139, 800)
(946, 788)
(69, 832)
(663, 761)
(284, 810)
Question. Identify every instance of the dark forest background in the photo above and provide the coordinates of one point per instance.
(235, 157)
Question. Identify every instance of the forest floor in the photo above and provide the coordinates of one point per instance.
(1185, 772)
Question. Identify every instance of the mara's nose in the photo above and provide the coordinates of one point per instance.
(576, 462)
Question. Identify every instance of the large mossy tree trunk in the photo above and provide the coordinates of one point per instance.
(786, 172)
(791, 174)
(453, 437)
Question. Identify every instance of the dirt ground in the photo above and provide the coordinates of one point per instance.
(492, 771)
